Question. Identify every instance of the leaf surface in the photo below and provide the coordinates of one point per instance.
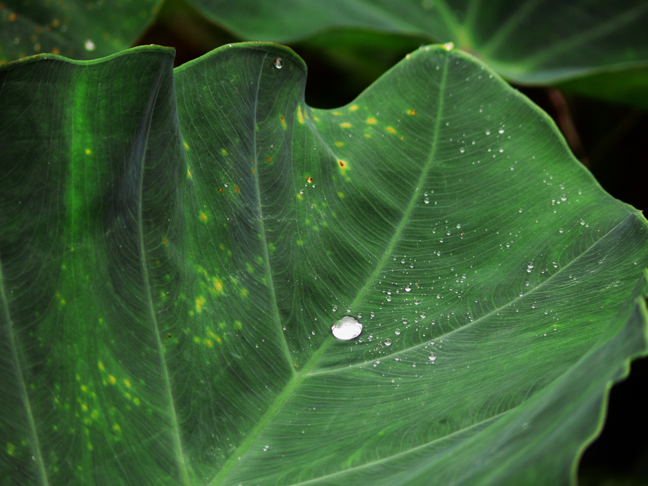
(175, 247)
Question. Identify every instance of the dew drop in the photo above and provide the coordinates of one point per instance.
(89, 45)
(346, 328)
(387, 342)
(432, 357)
(265, 448)
(397, 332)
(309, 179)
(278, 62)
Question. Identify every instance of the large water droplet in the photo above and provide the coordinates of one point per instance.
(347, 328)
(278, 62)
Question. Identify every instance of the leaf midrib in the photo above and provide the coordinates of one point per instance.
(298, 377)
(24, 396)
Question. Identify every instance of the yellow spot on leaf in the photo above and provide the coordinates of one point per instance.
(371, 121)
(244, 292)
(209, 343)
(116, 428)
(200, 302)
(340, 195)
(101, 366)
(218, 285)
(95, 414)
(283, 122)
(391, 130)
(343, 164)
(112, 379)
(238, 325)
(189, 173)
(127, 383)
(345, 125)
(127, 396)
(336, 113)
(84, 388)
(411, 112)
(90, 446)
(300, 242)
(224, 152)
(84, 407)
(300, 116)
(88, 151)
(339, 144)
(203, 216)
(186, 145)
(249, 268)
(299, 196)
(136, 401)
(196, 339)
(353, 107)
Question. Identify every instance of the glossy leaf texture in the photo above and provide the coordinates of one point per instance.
(72, 28)
(175, 247)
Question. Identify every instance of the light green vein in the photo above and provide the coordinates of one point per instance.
(298, 377)
(15, 359)
(175, 427)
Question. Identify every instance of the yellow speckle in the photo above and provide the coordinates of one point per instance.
(353, 107)
(112, 379)
(186, 145)
(95, 414)
(218, 285)
(196, 339)
(78, 377)
(116, 427)
(391, 130)
(209, 343)
(299, 196)
(300, 242)
(336, 113)
(90, 446)
(283, 122)
(136, 401)
(345, 125)
(127, 383)
(244, 292)
(300, 116)
(339, 144)
(189, 173)
(88, 151)
(224, 152)
(84, 407)
(249, 268)
(203, 216)
(411, 112)
(340, 195)
(211, 334)
(127, 396)
(84, 388)
(200, 302)
(368, 135)
(371, 121)
(11, 449)
(343, 164)
(238, 325)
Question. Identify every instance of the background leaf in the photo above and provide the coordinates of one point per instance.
(169, 279)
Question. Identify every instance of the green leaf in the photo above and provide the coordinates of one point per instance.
(541, 42)
(79, 30)
(175, 247)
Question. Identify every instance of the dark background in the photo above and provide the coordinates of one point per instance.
(610, 139)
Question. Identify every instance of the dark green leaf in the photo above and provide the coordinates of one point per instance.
(176, 247)
(79, 30)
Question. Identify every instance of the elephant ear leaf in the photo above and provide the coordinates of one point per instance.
(181, 250)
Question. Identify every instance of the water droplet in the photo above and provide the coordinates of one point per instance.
(309, 179)
(387, 342)
(278, 62)
(265, 448)
(89, 45)
(462, 150)
(529, 267)
(397, 332)
(432, 357)
(346, 328)
(408, 288)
